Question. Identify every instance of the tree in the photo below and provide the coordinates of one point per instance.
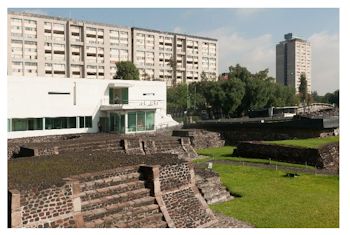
(303, 88)
(173, 64)
(204, 77)
(126, 70)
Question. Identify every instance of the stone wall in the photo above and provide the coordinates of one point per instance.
(181, 202)
(174, 176)
(52, 207)
(325, 157)
(201, 138)
(233, 137)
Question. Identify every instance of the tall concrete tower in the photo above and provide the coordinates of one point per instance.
(293, 58)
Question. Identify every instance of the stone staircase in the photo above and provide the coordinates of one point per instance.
(119, 201)
(210, 186)
(112, 145)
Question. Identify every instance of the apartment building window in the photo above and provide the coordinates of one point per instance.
(91, 54)
(140, 58)
(76, 53)
(30, 29)
(30, 68)
(17, 68)
(77, 71)
(58, 51)
(149, 58)
(48, 69)
(16, 27)
(91, 35)
(100, 36)
(91, 71)
(59, 70)
(100, 55)
(101, 71)
(30, 50)
(16, 49)
(76, 33)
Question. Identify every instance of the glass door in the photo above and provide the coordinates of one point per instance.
(117, 122)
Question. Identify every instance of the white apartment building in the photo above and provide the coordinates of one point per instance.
(293, 58)
(174, 58)
(57, 47)
(39, 106)
(48, 46)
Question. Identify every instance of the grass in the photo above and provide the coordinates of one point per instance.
(307, 143)
(270, 200)
(225, 153)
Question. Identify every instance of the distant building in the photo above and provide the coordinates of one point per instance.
(293, 58)
(47, 46)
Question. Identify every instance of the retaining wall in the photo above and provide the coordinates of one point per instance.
(325, 157)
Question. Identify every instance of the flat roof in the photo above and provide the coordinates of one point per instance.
(171, 33)
(105, 24)
(66, 19)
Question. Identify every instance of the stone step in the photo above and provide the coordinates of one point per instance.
(147, 222)
(123, 216)
(111, 190)
(114, 199)
(99, 213)
(216, 194)
(208, 189)
(218, 199)
(89, 142)
(88, 147)
(110, 181)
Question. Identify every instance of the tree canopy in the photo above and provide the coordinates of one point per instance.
(126, 70)
(243, 91)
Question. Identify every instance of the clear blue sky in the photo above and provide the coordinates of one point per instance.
(246, 36)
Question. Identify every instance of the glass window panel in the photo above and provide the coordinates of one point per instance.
(72, 122)
(132, 121)
(88, 121)
(19, 125)
(125, 95)
(149, 120)
(35, 124)
(81, 122)
(140, 121)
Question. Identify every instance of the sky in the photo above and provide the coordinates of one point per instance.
(246, 36)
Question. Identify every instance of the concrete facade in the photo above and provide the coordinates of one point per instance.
(81, 105)
(293, 58)
(48, 46)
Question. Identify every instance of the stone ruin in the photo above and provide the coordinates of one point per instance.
(325, 157)
(152, 188)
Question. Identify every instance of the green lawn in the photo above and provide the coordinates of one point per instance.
(307, 143)
(270, 200)
(225, 153)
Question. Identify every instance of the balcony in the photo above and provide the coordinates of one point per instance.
(106, 104)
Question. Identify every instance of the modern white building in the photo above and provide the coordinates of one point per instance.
(40, 106)
(293, 58)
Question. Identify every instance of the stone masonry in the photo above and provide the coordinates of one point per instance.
(325, 157)
(209, 184)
